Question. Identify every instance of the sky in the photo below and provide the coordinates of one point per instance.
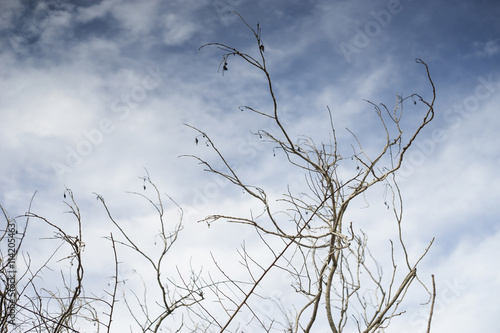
(94, 93)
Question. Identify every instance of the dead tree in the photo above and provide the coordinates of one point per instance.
(328, 258)
(28, 305)
(69, 303)
(173, 295)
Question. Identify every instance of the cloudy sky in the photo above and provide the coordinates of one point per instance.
(94, 92)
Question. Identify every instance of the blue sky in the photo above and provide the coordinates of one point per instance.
(94, 91)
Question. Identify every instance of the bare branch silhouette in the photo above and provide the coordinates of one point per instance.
(323, 253)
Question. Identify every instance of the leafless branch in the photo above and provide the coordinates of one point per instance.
(331, 256)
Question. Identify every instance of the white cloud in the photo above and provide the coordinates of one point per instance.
(87, 14)
(487, 49)
(68, 85)
(177, 30)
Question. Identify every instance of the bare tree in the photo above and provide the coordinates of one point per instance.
(28, 305)
(173, 295)
(70, 304)
(340, 280)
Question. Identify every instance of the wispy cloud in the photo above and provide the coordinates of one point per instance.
(104, 89)
(487, 49)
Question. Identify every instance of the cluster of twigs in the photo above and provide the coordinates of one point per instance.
(323, 253)
(339, 279)
(38, 309)
(34, 308)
